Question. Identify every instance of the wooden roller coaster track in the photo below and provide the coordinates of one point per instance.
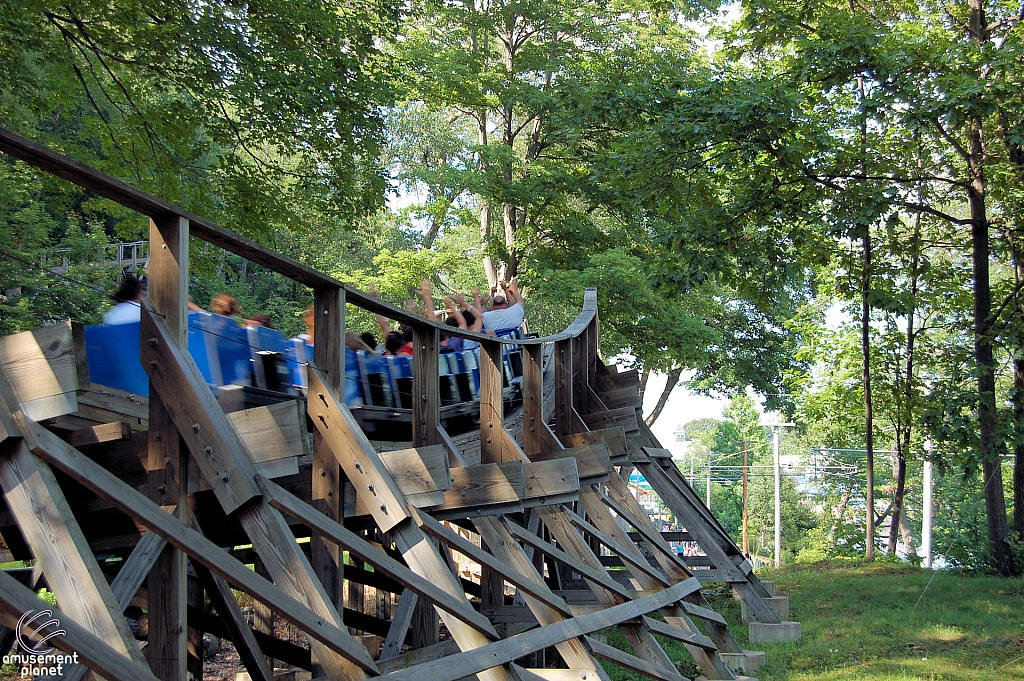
(121, 500)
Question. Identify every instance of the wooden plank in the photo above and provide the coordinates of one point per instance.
(504, 651)
(549, 482)
(419, 470)
(271, 432)
(624, 659)
(592, 461)
(510, 574)
(124, 497)
(101, 398)
(101, 434)
(17, 599)
(360, 548)
(615, 380)
(59, 547)
(621, 397)
(486, 484)
(613, 438)
(194, 410)
(44, 368)
(355, 454)
(625, 417)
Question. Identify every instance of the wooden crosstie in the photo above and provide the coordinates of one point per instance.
(122, 500)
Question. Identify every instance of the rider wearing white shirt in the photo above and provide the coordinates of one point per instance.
(502, 315)
(129, 302)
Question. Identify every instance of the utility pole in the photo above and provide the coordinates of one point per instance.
(709, 483)
(746, 541)
(776, 430)
(926, 524)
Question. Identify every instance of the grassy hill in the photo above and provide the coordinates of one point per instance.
(859, 622)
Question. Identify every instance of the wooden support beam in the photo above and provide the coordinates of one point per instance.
(59, 547)
(621, 549)
(632, 662)
(328, 480)
(471, 662)
(492, 375)
(234, 621)
(45, 368)
(355, 454)
(195, 412)
(426, 401)
(533, 400)
(677, 634)
(625, 504)
(637, 563)
(400, 623)
(562, 357)
(101, 434)
(17, 599)
(136, 568)
(94, 477)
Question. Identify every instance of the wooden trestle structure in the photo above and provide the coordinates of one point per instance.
(124, 500)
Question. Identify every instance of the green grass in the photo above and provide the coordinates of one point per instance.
(859, 622)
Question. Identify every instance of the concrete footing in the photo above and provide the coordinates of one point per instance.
(764, 632)
(770, 587)
(747, 662)
(780, 604)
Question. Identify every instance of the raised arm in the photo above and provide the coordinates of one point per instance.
(383, 322)
(512, 288)
(425, 292)
(456, 313)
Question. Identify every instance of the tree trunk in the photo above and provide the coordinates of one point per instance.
(991, 465)
(485, 205)
(670, 385)
(906, 414)
(838, 513)
(645, 376)
(865, 337)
